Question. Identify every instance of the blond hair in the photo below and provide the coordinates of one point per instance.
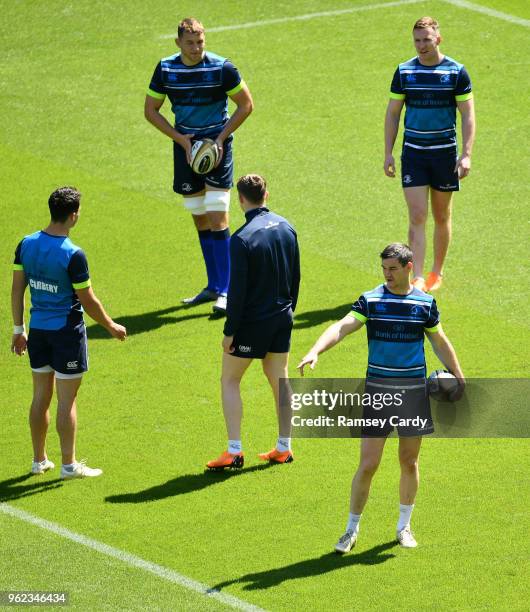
(426, 22)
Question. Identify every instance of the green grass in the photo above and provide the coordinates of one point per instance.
(73, 89)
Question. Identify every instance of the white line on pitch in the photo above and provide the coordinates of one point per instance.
(306, 17)
(132, 560)
(490, 12)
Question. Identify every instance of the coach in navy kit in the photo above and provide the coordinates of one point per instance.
(56, 271)
(262, 296)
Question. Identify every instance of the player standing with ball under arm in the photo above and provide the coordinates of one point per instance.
(432, 86)
(198, 84)
(392, 355)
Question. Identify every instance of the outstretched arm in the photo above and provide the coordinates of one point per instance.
(332, 336)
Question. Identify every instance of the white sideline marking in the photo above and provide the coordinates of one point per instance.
(307, 16)
(489, 11)
(129, 559)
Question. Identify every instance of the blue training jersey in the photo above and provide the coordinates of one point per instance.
(198, 93)
(431, 94)
(54, 267)
(395, 326)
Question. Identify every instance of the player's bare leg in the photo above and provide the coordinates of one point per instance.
(417, 203)
(441, 212)
(409, 450)
(233, 370)
(371, 453)
(39, 415)
(67, 416)
(275, 367)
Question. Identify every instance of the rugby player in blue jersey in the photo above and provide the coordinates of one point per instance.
(56, 271)
(397, 316)
(432, 86)
(198, 84)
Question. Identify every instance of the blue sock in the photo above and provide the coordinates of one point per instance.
(221, 250)
(207, 248)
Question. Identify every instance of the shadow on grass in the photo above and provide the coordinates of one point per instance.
(148, 321)
(304, 320)
(188, 483)
(311, 567)
(12, 488)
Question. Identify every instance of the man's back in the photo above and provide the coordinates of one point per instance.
(265, 272)
(53, 266)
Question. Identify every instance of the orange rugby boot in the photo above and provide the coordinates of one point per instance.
(227, 460)
(275, 456)
(433, 282)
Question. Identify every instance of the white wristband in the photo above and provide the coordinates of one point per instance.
(19, 329)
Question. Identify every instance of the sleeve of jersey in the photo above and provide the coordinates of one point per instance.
(17, 263)
(232, 81)
(360, 310)
(237, 289)
(463, 87)
(78, 271)
(433, 322)
(396, 91)
(156, 87)
(296, 276)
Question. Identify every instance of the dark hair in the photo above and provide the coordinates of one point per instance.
(253, 188)
(63, 202)
(398, 251)
(190, 25)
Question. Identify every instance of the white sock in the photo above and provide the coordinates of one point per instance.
(353, 522)
(69, 466)
(234, 446)
(404, 516)
(283, 445)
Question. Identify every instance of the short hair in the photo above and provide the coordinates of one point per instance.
(190, 25)
(253, 188)
(398, 251)
(63, 202)
(426, 22)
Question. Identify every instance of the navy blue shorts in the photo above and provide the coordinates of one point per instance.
(63, 350)
(406, 408)
(186, 182)
(437, 170)
(254, 340)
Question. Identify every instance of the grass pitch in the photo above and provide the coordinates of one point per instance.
(74, 81)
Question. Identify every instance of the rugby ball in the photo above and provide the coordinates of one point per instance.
(204, 156)
(441, 384)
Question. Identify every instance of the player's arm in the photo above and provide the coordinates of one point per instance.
(446, 354)
(94, 308)
(392, 117)
(18, 288)
(244, 106)
(467, 113)
(332, 336)
(152, 113)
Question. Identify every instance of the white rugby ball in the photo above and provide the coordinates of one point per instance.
(441, 384)
(204, 156)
